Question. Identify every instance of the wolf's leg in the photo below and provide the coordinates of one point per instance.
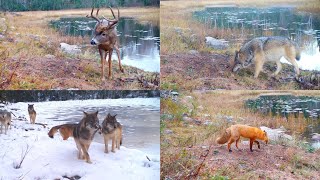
(258, 68)
(279, 67)
(5, 129)
(229, 144)
(1, 128)
(106, 139)
(85, 152)
(79, 149)
(113, 141)
(257, 142)
(296, 67)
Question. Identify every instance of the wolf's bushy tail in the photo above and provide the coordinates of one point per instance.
(225, 137)
(53, 130)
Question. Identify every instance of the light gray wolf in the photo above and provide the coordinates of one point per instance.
(32, 113)
(5, 120)
(234, 133)
(267, 49)
(66, 130)
(84, 132)
(111, 129)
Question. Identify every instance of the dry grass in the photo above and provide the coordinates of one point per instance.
(179, 148)
(178, 14)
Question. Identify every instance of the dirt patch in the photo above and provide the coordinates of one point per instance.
(209, 71)
(68, 73)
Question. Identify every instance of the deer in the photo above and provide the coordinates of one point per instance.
(105, 37)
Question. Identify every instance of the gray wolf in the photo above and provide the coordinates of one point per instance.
(234, 133)
(84, 132)
(32, 113)
(265, 49)
(111, 129)
(66, 130)
(5, 120)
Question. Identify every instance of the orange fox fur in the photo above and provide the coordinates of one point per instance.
(234, 133)
(66, 130)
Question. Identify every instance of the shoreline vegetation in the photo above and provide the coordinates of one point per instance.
(191, 122)
(31, 58)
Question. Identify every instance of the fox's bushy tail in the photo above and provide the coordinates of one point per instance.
(53, 130)
(225, 137)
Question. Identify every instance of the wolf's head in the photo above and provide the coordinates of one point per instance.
(109, 123)
(91, 120)
(30, 107)
(243, 59)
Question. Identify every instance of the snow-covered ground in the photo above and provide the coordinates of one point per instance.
(54, 158)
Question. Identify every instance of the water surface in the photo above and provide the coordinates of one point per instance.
(246, 23)
(139, 43)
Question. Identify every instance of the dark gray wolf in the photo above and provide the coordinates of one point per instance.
(32, 113)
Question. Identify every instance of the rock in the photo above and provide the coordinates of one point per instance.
(2, 37)
(186, 118)
(178, 30)
(207, 122)
(193, 52)
(216, 43)
(193, 38)
(50, 56)
(316, 137)
(276, 134)
(168, 131)
(70, 49)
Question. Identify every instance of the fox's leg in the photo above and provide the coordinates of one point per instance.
(237, 142)
(85, 152)
(257, 142)
(279, 67)
(106, 139)
(229, 144)
(251, 143)
(118, 54)
(258, 68)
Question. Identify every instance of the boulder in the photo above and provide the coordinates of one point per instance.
(216, 43)
(70, 49)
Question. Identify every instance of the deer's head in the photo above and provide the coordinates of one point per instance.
(104, 29)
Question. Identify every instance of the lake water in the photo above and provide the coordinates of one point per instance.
(303, 111)
(140, 117)
(139, 43)
(246, 23)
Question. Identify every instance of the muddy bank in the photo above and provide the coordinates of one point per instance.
(209, 71)
(68, 73)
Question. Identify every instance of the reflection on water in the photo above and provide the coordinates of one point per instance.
(247, 23)
(302, 111)
(139, 43)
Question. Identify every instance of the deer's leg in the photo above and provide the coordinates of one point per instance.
(110, 63)
(103, 58)
(118, 54)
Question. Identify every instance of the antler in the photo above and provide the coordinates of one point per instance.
(94, 17)
(115, 20)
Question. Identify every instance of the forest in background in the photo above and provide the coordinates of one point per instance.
(33, 5)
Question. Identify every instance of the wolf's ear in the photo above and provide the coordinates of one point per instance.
(115, 115)
(85, 114)
(96, 113)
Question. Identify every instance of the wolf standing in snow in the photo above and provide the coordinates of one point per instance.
(264, 49)
(111, 129)
(32, 113)
(84, 132)
(66, 130)
(5, 120)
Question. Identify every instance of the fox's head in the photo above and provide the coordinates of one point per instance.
(91, 120)
(243, 59)
(265, 137)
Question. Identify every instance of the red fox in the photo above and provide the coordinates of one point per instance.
(234, 133)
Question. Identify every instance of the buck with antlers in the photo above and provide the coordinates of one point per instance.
(105, 37)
